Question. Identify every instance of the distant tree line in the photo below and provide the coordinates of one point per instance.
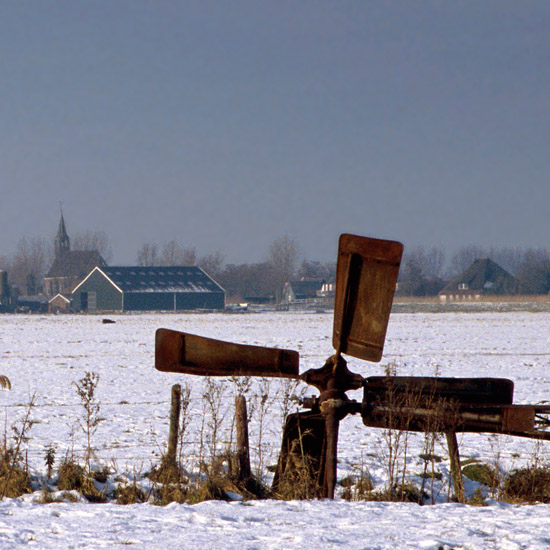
(424, 271)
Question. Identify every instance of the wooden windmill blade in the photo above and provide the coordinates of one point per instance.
(190, 354)
(366, 276)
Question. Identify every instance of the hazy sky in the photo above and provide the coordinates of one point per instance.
(226, 124)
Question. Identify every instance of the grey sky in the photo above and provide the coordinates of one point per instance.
(225, 125)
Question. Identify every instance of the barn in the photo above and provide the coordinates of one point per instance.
(173, 288)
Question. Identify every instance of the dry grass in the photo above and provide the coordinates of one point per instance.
(130, 493)
(72, 477)
(531, 484)
(299, 480)
(514, 298)
(14, 478)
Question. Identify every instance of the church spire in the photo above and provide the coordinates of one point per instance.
(62, 243)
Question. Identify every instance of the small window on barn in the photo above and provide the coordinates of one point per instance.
(463, 286)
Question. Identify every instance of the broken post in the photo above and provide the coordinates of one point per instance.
(174, 423)
(241, 423)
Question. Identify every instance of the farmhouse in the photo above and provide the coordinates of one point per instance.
(483, 277)
(147, 289)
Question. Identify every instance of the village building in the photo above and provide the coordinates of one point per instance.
(69, 266)
(483, 278)
(60, 303)
(136, 288)
(302, 289)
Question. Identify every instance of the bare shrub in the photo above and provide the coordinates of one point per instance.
(13, 475)
(86, 389)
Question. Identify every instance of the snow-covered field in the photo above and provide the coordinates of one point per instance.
(44, 355)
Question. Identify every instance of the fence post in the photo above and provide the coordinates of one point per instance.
(243, 455)
(174, 423)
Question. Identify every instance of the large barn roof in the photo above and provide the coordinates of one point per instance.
(161, 279)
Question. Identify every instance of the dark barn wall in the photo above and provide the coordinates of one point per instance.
(200, 300)
(156, 301)
(108, 298)
(148, 301)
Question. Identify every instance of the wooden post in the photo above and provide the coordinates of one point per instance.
(456, 472)
(241, 423)
(174, 423)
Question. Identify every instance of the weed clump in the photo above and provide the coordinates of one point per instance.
(404, 492)
(530, 484)
(129, 493)
(72, 477)
(170, 483)
(14, 478)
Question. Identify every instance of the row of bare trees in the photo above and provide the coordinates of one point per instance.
(425, 269)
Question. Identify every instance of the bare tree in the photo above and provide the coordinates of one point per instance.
(508, 258)
(317, 270)
(171, 253)
(433, 262)
(30, 263)
(283, 258)
(246, 281)
(424, 264)
(534, 272)
(464, 258)
(94, 240)
(174, 254)
(421, 271)
(212, 264)
(147, 255)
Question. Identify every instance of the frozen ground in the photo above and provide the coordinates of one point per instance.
(44, 355)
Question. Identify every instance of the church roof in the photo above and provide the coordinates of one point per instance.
(75, 263)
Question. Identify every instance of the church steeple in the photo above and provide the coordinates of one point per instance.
(62, 243)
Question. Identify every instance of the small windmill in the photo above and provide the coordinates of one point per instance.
(366, 278)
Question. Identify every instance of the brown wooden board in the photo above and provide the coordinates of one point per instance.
(366, 276)
(190, 354)
(429, 390)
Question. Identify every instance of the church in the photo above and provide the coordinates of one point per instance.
(69, 266)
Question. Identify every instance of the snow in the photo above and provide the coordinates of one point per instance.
(44, 355)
